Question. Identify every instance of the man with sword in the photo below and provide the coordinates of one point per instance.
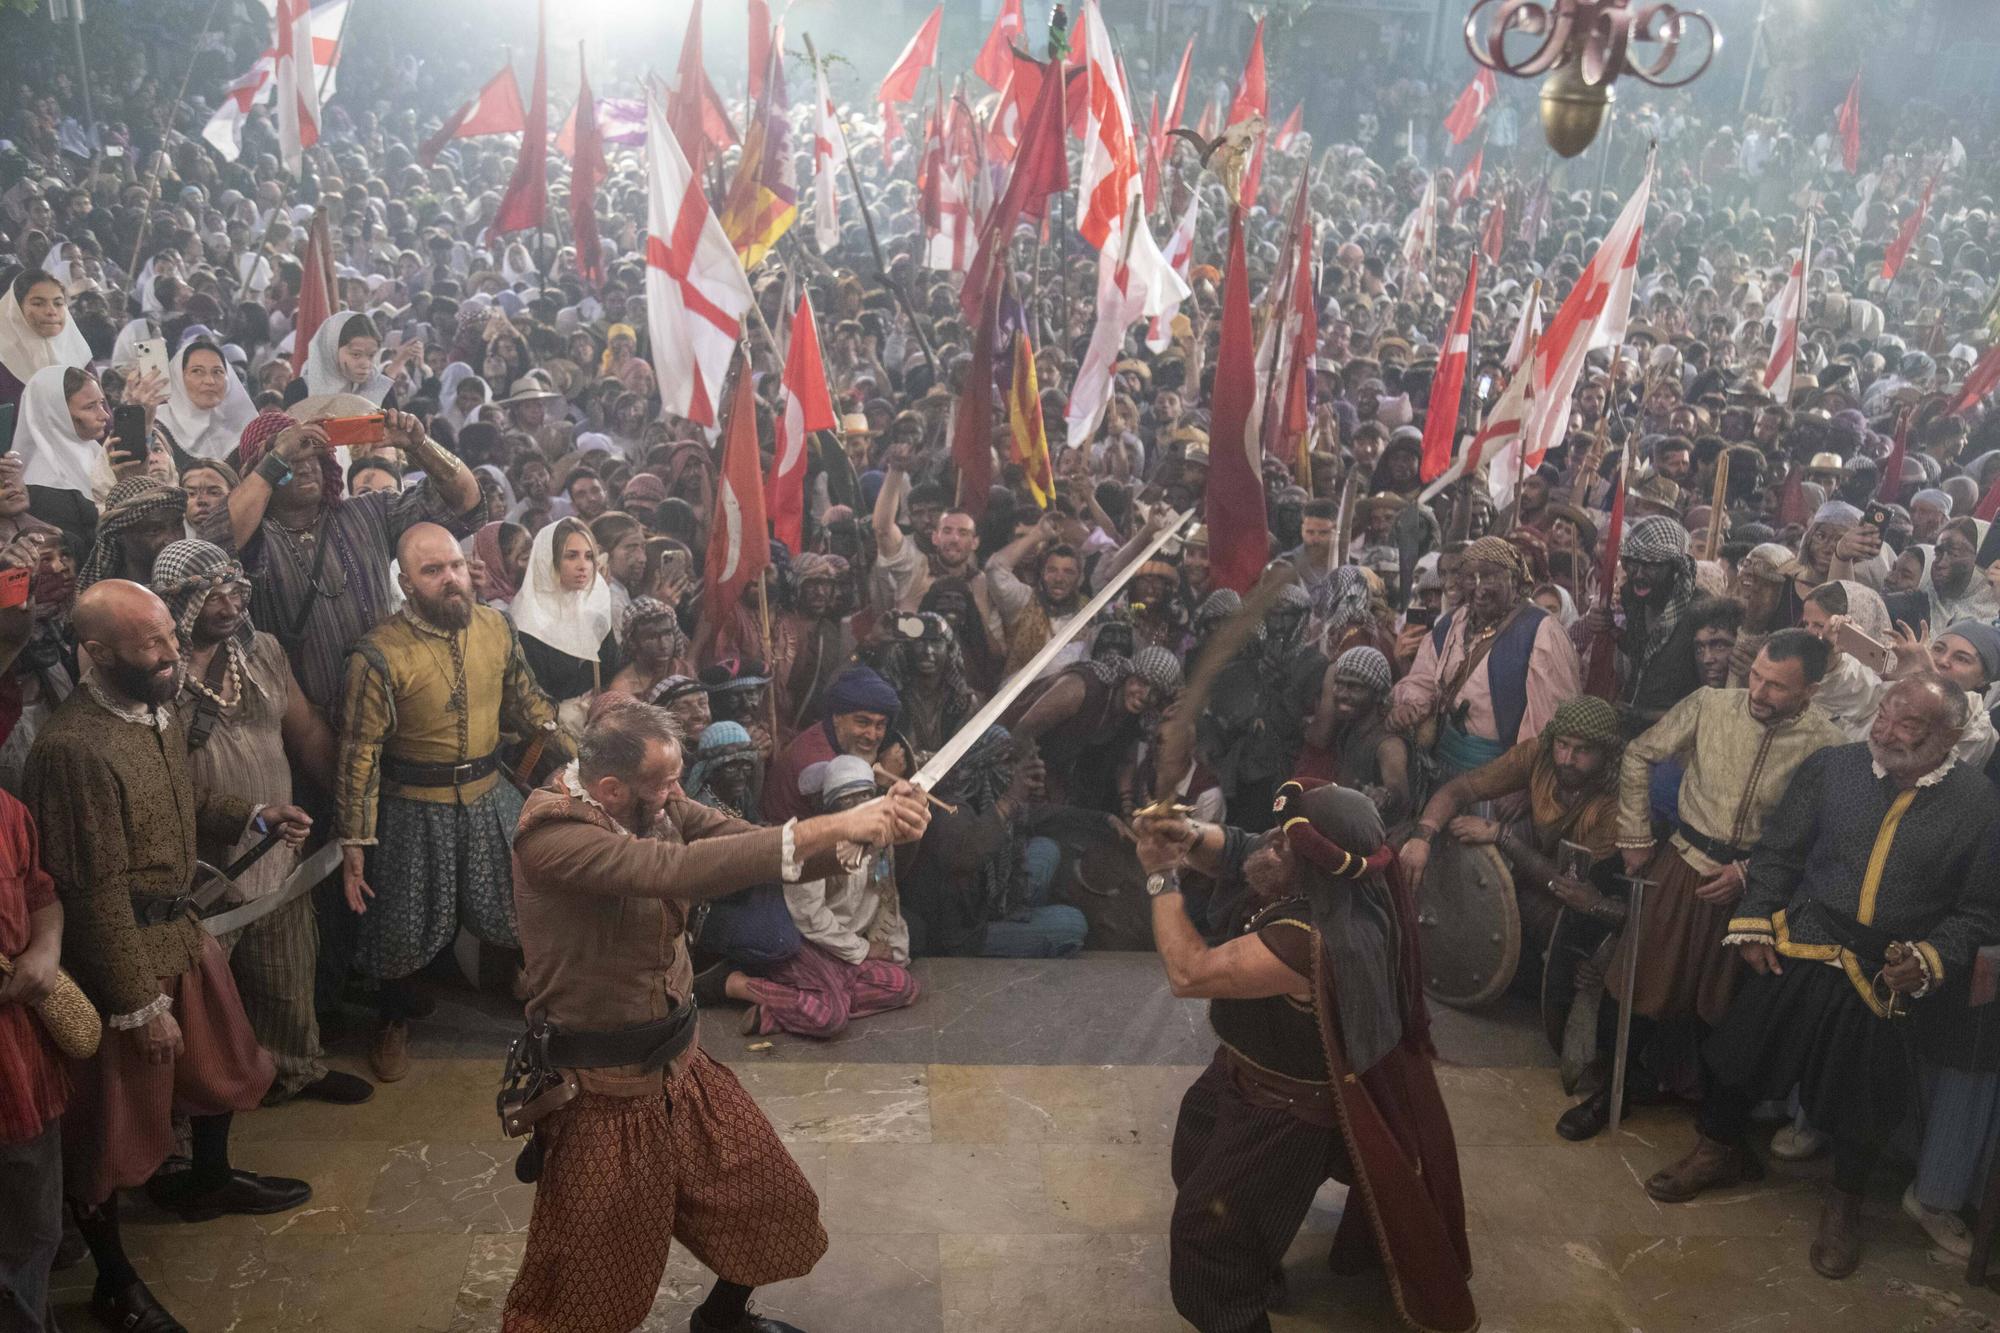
(107, 783)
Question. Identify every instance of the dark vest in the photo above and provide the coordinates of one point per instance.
(1506, 666)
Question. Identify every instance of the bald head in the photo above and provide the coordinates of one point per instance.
(128, 634)
(423, 540)
(434, 576)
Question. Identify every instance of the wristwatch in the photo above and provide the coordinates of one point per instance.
(1163, 881)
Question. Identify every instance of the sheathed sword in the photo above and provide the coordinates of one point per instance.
(306, 874)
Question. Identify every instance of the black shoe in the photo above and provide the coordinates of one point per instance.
(342, 1089)
(1587, 1119)
(709, 983)
(71, 1250)
(751, 1322)
(133, 1310)
(241, 1192)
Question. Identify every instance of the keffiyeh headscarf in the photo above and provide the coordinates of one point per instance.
(132, 501)
(1341, 601)
(720, 743)
(1364, 665)
(1158, 668)
(1588, 719)
(185, 576)
(1658, 539)
(644, 609)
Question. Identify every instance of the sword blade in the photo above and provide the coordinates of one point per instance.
(954, 749)
(308, 873)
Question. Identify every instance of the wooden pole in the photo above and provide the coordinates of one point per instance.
(1717, 514)
(770, 687)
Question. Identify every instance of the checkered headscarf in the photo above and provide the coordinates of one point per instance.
(131, 502)
(1366, 665)
(1496, 551)
(1658, 539)
(185, 576)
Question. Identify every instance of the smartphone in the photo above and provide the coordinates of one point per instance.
(14, 588)
(674, 566)
(1420, 615)
(9, 412)
(1877, 516)
(128, 428)
(1875, 656)
(352, 432)
(152, 356)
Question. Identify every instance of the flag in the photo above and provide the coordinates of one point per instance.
(525, 204)
(1983, 379)
(1110, 166)
(695, 289)
(297, 90)
(1027, 437)
(1041, 167)
(804, 407)
(738, 549)
(829, 155)
(1493, 236)
(1420, 230)
(1535, 217)
(696, 112)
(763, 199)
(1466, 188)
(1470, 106)
(972, 416)
(945, 200)
(1525, 332)
(1239, 535)
(1180, 251)
(1848, 126)
(907, 73)
(1149, 177)
(1891, 489)
(1789, 311)
(996, 56)
(1448, 384)
(587, 171)
(495, 109)
(761, 44)
(1601, 671)
(1906, 235)
(1205, 126)
(257, 86)
(1252, 96)
(1177, 100)
(315, 290)
(1134, 282)
(1289, 131)
(1290, 417)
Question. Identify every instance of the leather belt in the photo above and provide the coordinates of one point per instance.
(1713, 848)
(651, 1046)
(408, 773)
(160, 911)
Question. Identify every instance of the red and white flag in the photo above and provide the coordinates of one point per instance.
(1131, 286)
(900, 85)
(1288, 133)
(829, 155)
(297, 88)
(1982, 380)
(495, 109)
(1179, 253)
(1848, 126)
(996, 60)
(739, 551)
(1109, 180)
(1788, 310)
(1526, 330)
(1493, 232)
(1448, 384)
(1465, 113)
(1420, 229)
(695, 289)
(1177, 100)
(1466, 188)
(255, 88)
(1906, 235)
(807, 407)
(315, 290)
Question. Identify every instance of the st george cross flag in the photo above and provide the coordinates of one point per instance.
(1180, 251)
(1789, 313)
(1133, 283)
(1110, 170)
(738, 550)
(829, 155)
(297, 88)
(1470, 106)
(1848, 126)
(495, 109)
(1448, 385)
(255, 88)
(807, 407)
(695, 289)
(1526, 331)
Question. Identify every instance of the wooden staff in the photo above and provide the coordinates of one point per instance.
(1717, 514)
(770, 666)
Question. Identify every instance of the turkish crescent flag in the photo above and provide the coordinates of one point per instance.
(901, 83)
(807, 408)
(1464, 115)
(995, 61)
(1448, 385)
(738, 549)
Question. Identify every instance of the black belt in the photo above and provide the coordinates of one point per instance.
(651, 1046)
(1713, 848)
(160, 911)
(407, 773)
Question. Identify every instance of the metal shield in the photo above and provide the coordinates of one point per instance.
(1470, 925)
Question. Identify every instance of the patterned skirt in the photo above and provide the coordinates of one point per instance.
(434, 868)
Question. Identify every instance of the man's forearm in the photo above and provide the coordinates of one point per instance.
(1438, 811)
(1179, 944)
(889, 537)
(453, 479)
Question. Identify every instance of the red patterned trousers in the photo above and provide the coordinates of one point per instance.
(624, 1177)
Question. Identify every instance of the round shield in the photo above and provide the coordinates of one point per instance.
(1469, 924)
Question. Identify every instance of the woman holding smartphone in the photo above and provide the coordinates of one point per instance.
(71, 451)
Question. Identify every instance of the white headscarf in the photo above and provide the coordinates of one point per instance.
(23, 351)
(125, 352)
(569, 622)
(52, 453)
(205, 434)
(57, 267)
(323, 374)
(453, 375)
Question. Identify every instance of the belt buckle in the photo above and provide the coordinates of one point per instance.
(462, 773)
(169, 909)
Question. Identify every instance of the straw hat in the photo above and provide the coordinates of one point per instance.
(321, 406)
(71, 1019)
(856, 423)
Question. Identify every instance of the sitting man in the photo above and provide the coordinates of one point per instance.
(1874, 883)
(860, 708)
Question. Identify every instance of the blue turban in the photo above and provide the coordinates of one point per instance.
(859, 690)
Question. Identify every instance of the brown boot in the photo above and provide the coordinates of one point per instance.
(390, 1054)
(1836, 1251)
(1711, 1165)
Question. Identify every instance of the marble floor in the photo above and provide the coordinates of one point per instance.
(995, 1159)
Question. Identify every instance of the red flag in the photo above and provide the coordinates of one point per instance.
(1294, 416)
(1177, 100)
(1466, 188)
(918, 56)
(760, 45)
(1890, 491)
(1985, 377)
(1252, 97)
(1289, 131)
(1470, 106)
(1239, 536)
(587, 171)
(972, 418)
(495, 110)
(738, 549)
(1041, 167)
(996, 59)
(1906, 236)
(806, 408)
(1253, 175)
(1149, 180)
(315, 291)
(1493, 237)
(1448, 384)
(1848, 125)
(695, 111)
(526, 204)
(1205, 125)
(1601, 672)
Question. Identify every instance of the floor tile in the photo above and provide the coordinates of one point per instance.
(883, 1188)
(843, 1103)
(1032, 1104)
(1039, 1283)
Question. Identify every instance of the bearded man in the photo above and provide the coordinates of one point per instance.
(141, 515)
(425, 815)
(927, 672)
(1034, 615)
(1874, 884)
(1655, 654)
(1312, 1079)
(810, 640)
(861, 708)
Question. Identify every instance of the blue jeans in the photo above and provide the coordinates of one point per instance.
(1050, 930)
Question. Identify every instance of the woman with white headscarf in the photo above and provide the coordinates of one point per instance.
(1851, 690)
(67, 471)
(477, 395)
(563, 614)
(207, 407)
(36, 331)
(341, 359)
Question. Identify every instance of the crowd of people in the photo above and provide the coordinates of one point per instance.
(428, 594)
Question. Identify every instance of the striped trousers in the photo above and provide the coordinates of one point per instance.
(273, 961)
(814, 994)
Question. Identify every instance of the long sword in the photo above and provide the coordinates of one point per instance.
(954, 749)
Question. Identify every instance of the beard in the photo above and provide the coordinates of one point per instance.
(143, 683)
(453, 610)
